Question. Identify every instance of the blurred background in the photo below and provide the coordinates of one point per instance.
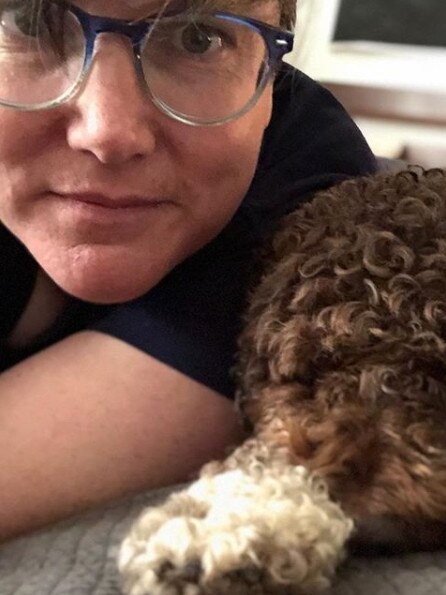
(385, 60)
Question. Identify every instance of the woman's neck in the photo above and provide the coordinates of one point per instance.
(46, 303)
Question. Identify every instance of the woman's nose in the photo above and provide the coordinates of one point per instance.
(111, 116)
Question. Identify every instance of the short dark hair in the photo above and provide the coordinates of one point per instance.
(287, 13)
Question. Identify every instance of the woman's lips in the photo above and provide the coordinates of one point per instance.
(106, 202)
(102, 211)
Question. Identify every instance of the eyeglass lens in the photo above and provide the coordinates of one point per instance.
(40, 59)
(204, 68)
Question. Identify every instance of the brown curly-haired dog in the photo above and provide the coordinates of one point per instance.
(342, 376)
(345, 343)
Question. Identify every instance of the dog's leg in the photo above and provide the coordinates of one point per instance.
(254, 524)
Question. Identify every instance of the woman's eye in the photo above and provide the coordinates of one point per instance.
(199, 40)
(20, 21)
(30, 25)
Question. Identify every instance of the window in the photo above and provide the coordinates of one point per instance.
(394, 49)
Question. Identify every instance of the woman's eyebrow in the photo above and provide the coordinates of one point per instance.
(155, 8)
(174, 6)
(236, 6)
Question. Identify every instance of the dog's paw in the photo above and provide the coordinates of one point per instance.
(157, 556)
(268, 532)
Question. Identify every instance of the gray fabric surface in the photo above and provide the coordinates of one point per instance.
(77, 557)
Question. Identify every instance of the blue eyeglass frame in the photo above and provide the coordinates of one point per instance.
(278, 42)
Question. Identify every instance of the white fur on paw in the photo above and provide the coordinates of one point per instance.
(272, 526)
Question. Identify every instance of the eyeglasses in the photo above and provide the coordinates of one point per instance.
(199, 68)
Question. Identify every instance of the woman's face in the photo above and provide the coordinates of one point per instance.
(107, 192)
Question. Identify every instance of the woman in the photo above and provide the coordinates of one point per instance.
(135, 191)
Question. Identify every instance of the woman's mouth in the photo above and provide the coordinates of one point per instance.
(95, 210)
(106, 202)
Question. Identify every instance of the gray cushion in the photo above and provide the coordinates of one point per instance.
(77, 557)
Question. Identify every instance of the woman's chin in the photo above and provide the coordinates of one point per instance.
(107, 285)
(101, 296)
(107, 274)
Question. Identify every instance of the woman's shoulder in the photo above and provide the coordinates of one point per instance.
(308, 119)
(311, 143)
(310, 127)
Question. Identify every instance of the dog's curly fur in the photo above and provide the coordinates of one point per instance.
(345, 343)
(342, 373)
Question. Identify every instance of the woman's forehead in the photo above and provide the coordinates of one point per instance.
(226, 3)
(147, 7)
(232, 5)
(264, 9)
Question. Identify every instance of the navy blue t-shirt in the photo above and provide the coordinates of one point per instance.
(191, 319)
